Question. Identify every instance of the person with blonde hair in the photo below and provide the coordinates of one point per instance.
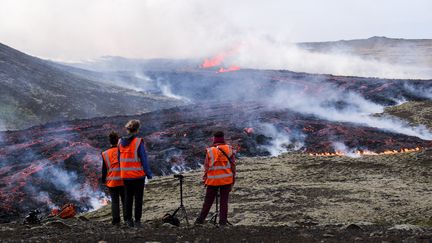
(134, 168)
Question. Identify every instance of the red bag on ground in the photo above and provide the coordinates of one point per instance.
(67, 211)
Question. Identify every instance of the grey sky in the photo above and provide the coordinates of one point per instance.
(82, 29)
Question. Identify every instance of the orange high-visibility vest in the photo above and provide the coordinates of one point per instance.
(219, 169)
(130, 162)
(110, 157)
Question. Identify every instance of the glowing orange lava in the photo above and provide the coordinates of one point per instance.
(219, 58)
(104, 201)
(366, 152)
(230, 69)
(214, 61)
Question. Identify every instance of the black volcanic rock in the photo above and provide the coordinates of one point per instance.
(34, 92)
(60, 162)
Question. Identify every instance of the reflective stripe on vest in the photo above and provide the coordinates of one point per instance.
(135, 142)
(219, 171)
(220, 167)
(220, 176)
(130, 163)
(110, 158)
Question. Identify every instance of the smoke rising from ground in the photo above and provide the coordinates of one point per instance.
(342, 148)
(199, 29)
(314, 96)
(337, 105)
(281, 141)
(261, 53)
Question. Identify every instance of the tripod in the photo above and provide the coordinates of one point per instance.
(215, 215)
(181, 207)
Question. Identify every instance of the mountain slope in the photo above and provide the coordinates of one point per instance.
(33, 92)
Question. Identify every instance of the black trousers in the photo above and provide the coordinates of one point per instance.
(117, 194)
(134, 192)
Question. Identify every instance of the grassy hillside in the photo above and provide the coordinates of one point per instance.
(415, 112)
(295, 189)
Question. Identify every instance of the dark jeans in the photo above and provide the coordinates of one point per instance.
(117, 194)
(134, 191)
(210, 196)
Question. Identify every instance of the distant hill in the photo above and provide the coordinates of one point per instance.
(402, 51)
(35, 91)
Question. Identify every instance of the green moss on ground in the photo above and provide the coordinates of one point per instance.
(416, 112)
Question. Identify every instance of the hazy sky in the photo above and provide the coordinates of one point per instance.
(83, 29)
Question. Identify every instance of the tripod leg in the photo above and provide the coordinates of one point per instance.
(185, 215)
(176, 211)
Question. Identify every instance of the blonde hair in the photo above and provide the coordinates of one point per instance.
(132, 126)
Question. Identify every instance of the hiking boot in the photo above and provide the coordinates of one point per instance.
(199, 221)
(138, 224)
(225, 224)
(130, 223)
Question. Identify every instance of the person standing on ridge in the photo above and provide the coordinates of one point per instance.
(219, 175)
(112, 179)
(134, 169)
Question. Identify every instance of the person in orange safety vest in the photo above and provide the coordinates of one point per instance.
(134, 168)
(112, 179)
(219, 175)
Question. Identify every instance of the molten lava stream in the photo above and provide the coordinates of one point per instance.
(366, 152)
(230, 69)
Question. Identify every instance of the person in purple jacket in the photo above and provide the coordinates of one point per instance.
(134, 169)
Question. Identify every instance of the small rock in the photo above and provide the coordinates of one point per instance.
(6, 228)
(168, 225)
(37, 228)
(328, 235)
(353, 227)
(306, 222)
(406, 227)
(377, 233)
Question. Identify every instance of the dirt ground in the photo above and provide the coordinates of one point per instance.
(291, 198)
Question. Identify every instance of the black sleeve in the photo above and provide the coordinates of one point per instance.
(104, 172)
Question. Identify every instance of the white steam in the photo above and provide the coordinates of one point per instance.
(41, 196)
(166, 91)
(342, 148)
(68, 182)
(281, 141)
(196, 29)
(261, 53)
(355, 110)
(420, 91)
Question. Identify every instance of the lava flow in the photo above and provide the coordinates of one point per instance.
(57, 163)
(48, 166)
(367, 152)
(230, 69)
(218, 59)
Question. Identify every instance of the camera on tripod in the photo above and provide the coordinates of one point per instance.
(172, 218)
